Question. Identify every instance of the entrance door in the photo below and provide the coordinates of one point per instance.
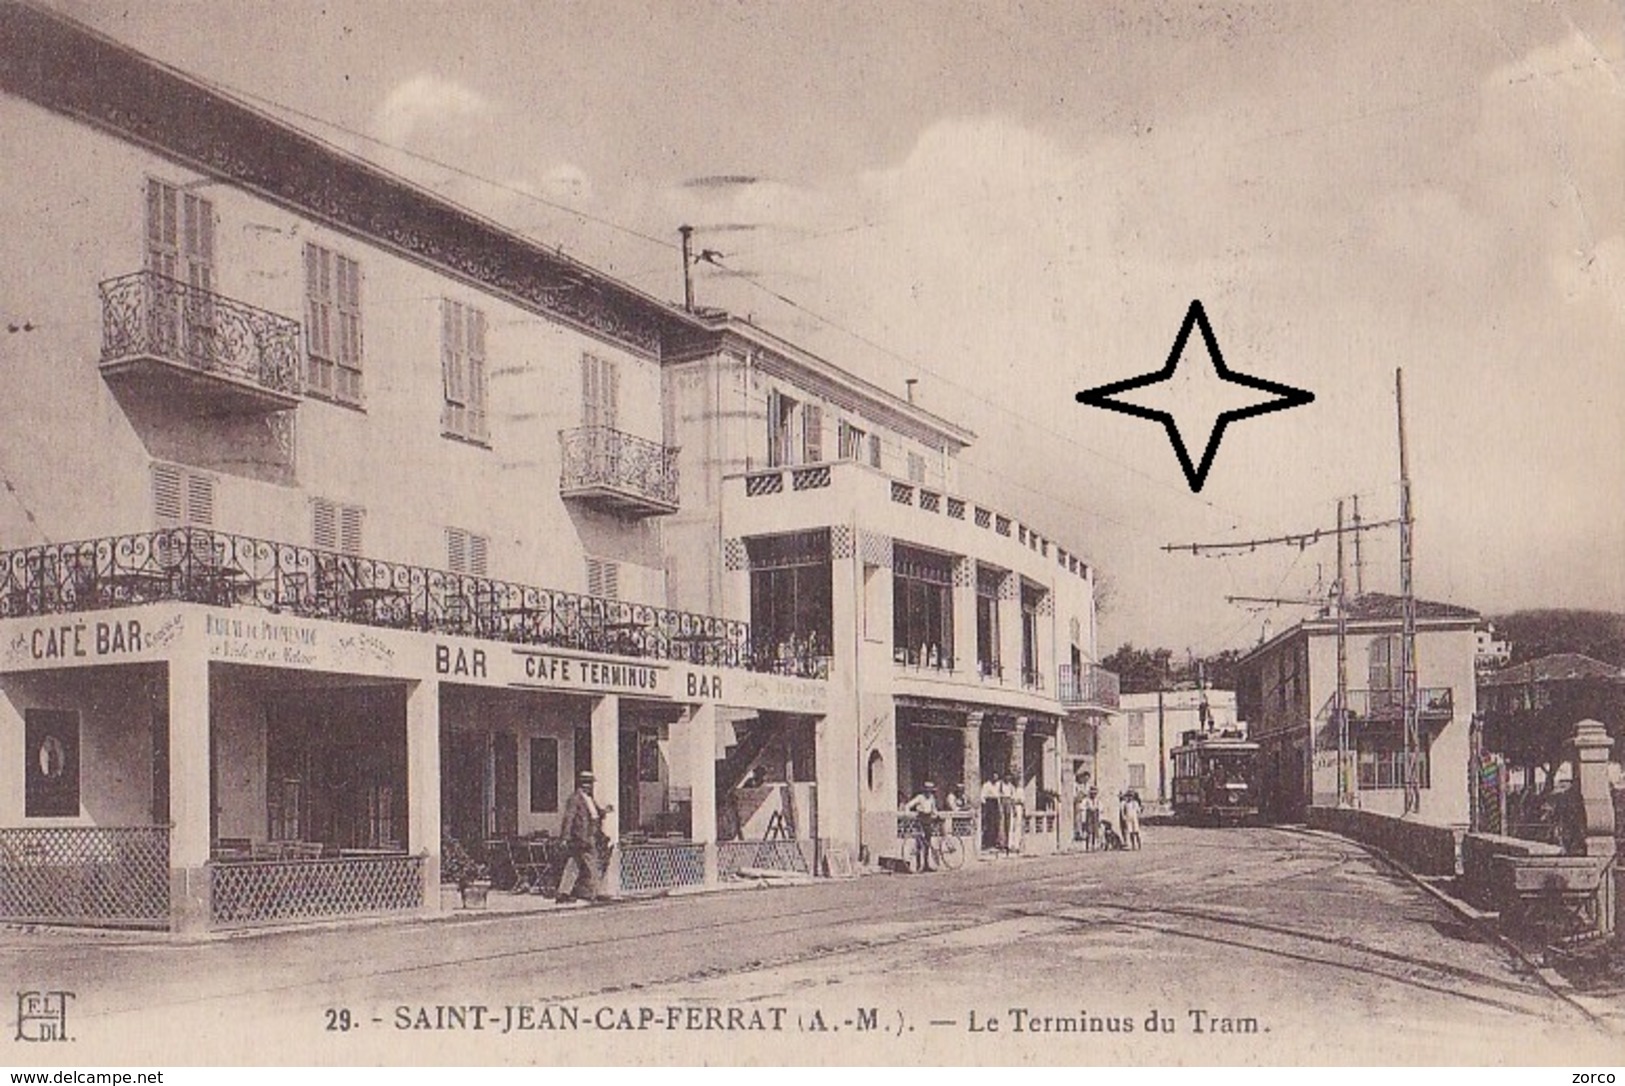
(504, 784)
(462, 795)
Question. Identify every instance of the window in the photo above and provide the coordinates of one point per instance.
(812, 434)
(180, 235)
(781, 416)
(988, 581)
(791, 596)
(333, 324)
(874, 450)
(850, 439)
(181, 497)
(1381, 760)
(1031, 599)
(600, 391)
(336, 527)
(922, 608)
(466, 552)
(51, 774)
(603, 578)
(1136, 730)
(916, 468)
(1136, 775)
(462, 365)
(544, 775)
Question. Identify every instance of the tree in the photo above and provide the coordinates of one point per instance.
(1141, 671)
(1533, 634)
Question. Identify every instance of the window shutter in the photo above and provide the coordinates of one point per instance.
(456, 550)
(589, 390)
(812, 425)
(476, 372)
(610, 409)
(324, 525)
(167, 503)
(199, 500)
(478, 550)
(775, 424)
(603, 578)
(451, 350)
(874, 450)
(350, 529)
(916, 468)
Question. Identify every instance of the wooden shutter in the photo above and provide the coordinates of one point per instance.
(610, 409)
(324, 533)
(350, 529)
(476, 372)
(163, 233)
(199, 500)
(775, 422)
(451, 351)
(812, 433)
(168, 501)
(603, 578)
(456, 550)
(319, 318)
(479, 549)
(197, 235)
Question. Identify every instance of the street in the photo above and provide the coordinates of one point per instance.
(1209, 946)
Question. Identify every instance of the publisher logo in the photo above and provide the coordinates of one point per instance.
(43, 1016)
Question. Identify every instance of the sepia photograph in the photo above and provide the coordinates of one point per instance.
(1070, 533)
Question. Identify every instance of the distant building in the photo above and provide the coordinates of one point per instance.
(1152, 726)
(1531, 707)
(1490, 651)
(1285, 691)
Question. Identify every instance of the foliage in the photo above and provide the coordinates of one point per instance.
(457, 865)
(1539, 736)
(1533, 634)
(1144, 671)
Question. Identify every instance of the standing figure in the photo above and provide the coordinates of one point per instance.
(1131, 819)
(990, 812)
(585, 843)
(1091, 820)
(924, 809)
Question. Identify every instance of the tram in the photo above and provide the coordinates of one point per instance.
(1215, 778)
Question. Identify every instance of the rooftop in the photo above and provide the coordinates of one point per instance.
(1557, 668)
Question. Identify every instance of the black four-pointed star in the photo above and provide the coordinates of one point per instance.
(1284, 396)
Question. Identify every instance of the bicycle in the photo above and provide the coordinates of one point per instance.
(933, 842)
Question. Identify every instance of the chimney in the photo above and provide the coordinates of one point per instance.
(910, 383)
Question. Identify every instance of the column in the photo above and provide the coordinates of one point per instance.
(190, 794)
(1591, 746)
(964, 602)
(972, 776)
(423, 826)
(606, 771)
(694, 749)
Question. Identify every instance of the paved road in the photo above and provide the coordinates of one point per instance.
(1239, 946)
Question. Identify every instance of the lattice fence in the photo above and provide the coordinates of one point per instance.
(651, 868)
(279, 891)
(734, 856)
(95, 875)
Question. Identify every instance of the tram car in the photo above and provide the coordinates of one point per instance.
(1215, 779)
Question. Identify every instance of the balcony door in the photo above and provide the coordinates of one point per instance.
(180, 247)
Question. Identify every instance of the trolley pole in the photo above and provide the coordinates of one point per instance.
(1340, 706)
(1407, 592)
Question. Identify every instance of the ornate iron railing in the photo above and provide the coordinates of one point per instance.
(798, 855)
(658, 865)
(1387, 706)
(965, 824)
(201, 565)
(145, 313)
(1089, 686)
(248, 892)
(598, 456)
(91, 875)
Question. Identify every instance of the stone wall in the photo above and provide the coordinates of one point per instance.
(1478, 853)
(1425, 849)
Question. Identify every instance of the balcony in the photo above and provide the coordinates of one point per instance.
(617, 472)
(1089, 686)
(197, 565)
(1435, 704)
(192, 344)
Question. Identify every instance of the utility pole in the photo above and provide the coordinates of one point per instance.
(1407, 593)
(688, 275)
(1359, 563)
(1340, 708)
(1162, 752)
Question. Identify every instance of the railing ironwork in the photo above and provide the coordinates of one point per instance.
(1090, 685)
(148, 314)
(1387, 706)
(599, 456)
(799, 856)
(245, 893)
(200, 565)
(86, 875)
(659, 865)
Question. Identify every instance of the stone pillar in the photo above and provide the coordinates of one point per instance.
(1591, 746)
(964, 603)
(694, 749)
(971, 774)
(1018, 760)
(190, 794)
(423, 784)
(606, 771)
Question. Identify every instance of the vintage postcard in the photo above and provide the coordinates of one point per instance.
(811, 533)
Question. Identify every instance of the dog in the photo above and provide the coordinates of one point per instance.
(1114, 840)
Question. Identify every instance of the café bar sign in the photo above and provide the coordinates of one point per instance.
(542, 670)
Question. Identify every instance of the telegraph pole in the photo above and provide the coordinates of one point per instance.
(688, 276)
(1340, 708)
(1359, 563)
(1407, 593)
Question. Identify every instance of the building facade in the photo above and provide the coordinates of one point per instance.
(345, 525)
(1286, 693)
(1153, 724)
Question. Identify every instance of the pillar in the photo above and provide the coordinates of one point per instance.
(964, 604)
(190, 794)
(972, 772)
(1018, 758)
(694, 749)
(1591, 746)
(423, 826)
(606, 771)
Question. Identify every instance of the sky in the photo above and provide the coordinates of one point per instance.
(1012, 202)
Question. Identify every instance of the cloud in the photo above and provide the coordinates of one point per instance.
(423, 100)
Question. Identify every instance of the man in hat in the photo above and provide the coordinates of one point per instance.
(584, 842)
(924, 809)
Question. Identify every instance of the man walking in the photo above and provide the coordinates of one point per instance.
(584, 842)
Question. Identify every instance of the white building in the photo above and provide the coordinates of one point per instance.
(1153, 725)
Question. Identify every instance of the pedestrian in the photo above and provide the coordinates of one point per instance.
(1131, 820)
(1080, 799)
(990, 812)
(1014, 804)
(585, 843)
(1091, 820)
(923, 806)
(956, 799)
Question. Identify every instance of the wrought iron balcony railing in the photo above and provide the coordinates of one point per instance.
(151, 322)
(624, 473)
(1387, 706)
(1032, 678)
(218, 568)
(1088, 687)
